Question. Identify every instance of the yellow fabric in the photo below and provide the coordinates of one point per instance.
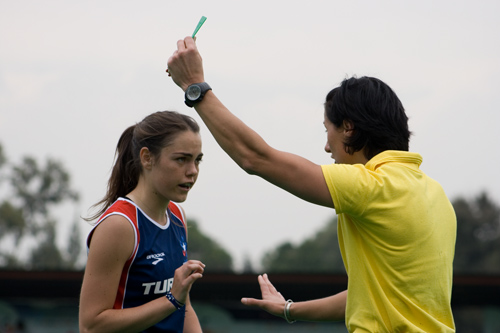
(397, 232)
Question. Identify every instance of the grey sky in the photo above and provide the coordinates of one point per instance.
(75, 74)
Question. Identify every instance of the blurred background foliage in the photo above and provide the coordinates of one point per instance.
(30, 191)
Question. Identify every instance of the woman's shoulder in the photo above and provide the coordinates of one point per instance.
(178, 211)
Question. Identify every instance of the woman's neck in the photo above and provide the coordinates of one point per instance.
(150, 204)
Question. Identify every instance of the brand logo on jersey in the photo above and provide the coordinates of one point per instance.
(158, 287)
(183, 245)
(184, 249)
(156, 257)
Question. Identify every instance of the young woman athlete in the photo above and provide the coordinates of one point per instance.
(138, 277)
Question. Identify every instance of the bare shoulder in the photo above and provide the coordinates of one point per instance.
(111, 245)
(115, 237)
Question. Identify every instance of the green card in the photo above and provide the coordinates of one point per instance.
(202, 20)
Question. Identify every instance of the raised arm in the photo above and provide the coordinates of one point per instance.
(248, 149)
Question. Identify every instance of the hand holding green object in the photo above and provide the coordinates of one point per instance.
(202, 20)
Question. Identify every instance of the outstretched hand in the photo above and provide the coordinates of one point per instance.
(185, 66)
(272, 301)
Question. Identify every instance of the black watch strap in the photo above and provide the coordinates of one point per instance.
(202, 87)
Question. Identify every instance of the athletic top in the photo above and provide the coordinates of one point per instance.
(158, 251)
(397, 232)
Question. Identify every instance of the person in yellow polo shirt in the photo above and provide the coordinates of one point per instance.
(396, 227)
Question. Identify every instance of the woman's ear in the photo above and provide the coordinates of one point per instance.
(146, 158)
(348, 127)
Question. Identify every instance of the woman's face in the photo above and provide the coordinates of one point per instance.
(175, 171)
(336, 136)
(335, 141)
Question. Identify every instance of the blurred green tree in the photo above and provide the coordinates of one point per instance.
(30, 192)
(207, 250)
(317, 254)
(478, 235)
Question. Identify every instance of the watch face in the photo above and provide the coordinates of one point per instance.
(193, 92)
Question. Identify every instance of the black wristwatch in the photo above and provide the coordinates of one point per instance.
(195, 92)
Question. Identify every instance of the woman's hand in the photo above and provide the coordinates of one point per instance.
(272, 301)
(185, 66)
(184, 278)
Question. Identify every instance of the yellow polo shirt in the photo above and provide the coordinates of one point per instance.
(397, 232)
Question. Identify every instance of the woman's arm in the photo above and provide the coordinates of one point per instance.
(191, 322)
(330, 308)
(112, 244)
(248, 149)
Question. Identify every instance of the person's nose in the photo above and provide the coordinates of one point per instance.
(327, 148)
(192, 170)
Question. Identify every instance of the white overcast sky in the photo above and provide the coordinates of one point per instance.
(75, 74)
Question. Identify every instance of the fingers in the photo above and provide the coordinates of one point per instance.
(185, 66)
(186, 43)
(181, 44)
(266, 280)
(190, 42)
(184, 278)
(272, 301)
(251, 301)
(274, 307)
(266, 287)
(194, 266)
(189, 272)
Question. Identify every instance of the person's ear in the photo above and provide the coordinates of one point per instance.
(348, 127)
(146, 158)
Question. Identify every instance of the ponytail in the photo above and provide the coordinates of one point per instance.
(155, 132)
(124, 175)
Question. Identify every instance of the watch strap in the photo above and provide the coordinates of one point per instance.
(204, 87)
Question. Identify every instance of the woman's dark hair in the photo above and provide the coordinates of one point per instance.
(154, 132)
(376, 113)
